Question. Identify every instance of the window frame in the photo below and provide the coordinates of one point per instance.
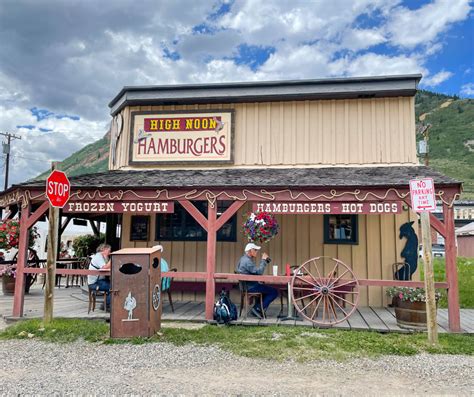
(355, 235)
(187, 221)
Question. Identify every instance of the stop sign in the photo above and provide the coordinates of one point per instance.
(58, 189)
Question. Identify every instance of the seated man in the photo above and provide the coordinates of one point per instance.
(247, 265)
(100, 260)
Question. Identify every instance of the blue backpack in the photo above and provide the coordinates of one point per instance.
(224, 310)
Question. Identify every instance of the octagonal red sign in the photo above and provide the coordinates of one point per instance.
(58, 188)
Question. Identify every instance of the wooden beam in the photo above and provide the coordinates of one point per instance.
(211, 260)
(19, 298)
(94, 227)
(228, 213)
(33, 218)
(195, 213)
(451, 270)
(437, 225)
(64, 225)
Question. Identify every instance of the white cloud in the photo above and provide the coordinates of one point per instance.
(467, 89)
(73, 58)
(436, 79)
(409, 28)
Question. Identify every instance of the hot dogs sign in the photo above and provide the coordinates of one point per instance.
(181, 137)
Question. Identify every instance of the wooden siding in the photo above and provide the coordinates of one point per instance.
(300, 238)
(311, 133)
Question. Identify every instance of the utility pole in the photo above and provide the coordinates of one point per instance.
(423, 147)
(6, 150)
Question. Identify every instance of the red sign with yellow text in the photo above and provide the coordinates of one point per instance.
(185, 137)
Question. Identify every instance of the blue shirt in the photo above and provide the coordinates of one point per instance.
(165, 281)
(246, 265)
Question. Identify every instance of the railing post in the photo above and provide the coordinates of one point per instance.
(211, 260)
(451, 270)
(19, 298)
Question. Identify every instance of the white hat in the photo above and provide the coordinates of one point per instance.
(251, 246)
(159, 247)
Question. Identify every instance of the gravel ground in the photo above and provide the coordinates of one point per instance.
(33, 367)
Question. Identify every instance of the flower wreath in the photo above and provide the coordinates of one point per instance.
(260, 226)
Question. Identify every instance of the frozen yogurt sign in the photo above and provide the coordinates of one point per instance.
(181, 137)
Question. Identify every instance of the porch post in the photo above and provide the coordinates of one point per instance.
(211, 260)
(19, 297)
(451, 270)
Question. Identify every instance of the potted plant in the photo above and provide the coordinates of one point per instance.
(9, 239)
(410, 306)
(260, 226)
(8, 274)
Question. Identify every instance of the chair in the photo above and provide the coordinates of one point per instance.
(93, 294)
(247, 297)
(166, 286)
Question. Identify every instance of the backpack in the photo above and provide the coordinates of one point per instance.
(224, 310)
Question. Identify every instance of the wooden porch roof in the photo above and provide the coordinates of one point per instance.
(327, 177)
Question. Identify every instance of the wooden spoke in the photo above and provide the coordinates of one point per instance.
(317, 269)
(317, 281)
(306, 288)
(331, 305)
(306, 296)
(337, 279)
(339, 306)
(309, 303)
(341, 298)
(316, 309)
(306, 281)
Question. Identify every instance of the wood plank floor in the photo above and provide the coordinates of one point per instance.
(72, 302)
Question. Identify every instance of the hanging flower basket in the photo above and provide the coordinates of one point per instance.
(260, 226)
(10, 235)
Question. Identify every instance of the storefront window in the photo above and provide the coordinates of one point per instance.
(340, 229)
(181, 226)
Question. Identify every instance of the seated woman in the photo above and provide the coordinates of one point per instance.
(100, 260)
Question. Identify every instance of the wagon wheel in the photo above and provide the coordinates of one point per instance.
(323, 298)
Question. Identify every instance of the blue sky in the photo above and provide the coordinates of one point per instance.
(62, 62)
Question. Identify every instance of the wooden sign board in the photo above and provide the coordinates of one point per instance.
(393, 207)
(135, 207)
(182, 137)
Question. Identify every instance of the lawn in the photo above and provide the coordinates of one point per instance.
(465, 280)
(273, 343)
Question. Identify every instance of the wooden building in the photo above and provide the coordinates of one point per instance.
(332, 158)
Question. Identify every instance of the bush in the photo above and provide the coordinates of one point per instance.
(87, 245)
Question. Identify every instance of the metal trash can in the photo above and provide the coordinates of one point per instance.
(136, 292)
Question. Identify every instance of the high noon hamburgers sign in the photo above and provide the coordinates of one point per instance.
(181, 137)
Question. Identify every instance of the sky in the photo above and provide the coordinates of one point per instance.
(62, 61)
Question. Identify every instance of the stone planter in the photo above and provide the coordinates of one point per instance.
(410, 314)
(8, 285)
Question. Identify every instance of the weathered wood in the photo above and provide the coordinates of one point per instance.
(211, 261)
(429, 279)
(451, 270)
(51, 263)
(18, 301)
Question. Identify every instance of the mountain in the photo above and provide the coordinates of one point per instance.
(451, 136)
(451, 140)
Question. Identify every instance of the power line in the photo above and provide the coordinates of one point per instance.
(30, 158)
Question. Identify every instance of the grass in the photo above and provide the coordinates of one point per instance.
(465, 280)
(272, 343)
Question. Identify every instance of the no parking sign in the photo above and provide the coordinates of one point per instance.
(422, 192)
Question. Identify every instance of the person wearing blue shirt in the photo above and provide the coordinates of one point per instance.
(247, 265)
(165, 281)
